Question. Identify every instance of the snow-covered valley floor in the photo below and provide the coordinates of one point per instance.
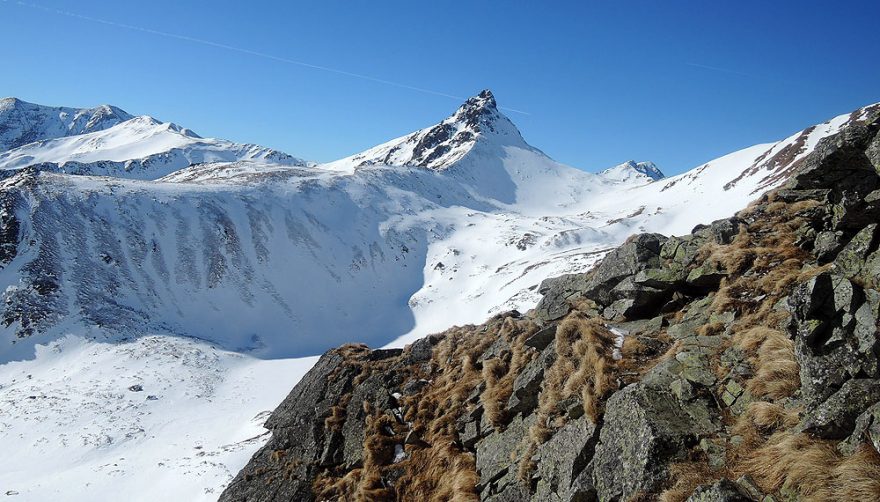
(165, 417)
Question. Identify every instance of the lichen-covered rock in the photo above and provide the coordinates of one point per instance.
(723, 490)
(563, 458)
(556, 295)
(834, 324)
(527, 385)
(376, 391)
(603, 284)
(542, 338)
(497, 454)
(644, 429)
(827, 244)
(706, 277)
(839, 162)
(720, 231)
(836, 417)
(865, 431)
(420, 351)
(850, 261)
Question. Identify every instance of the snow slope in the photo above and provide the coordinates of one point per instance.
(205, 285)
(154, 417)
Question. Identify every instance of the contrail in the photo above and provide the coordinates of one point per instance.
(722, 70)
(242, 50)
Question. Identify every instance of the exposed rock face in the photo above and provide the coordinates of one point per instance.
(298, 428)
(645, 428)
(717, 366)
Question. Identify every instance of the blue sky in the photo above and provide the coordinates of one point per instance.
(678, 83)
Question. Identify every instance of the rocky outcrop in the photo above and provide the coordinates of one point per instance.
(736, 363)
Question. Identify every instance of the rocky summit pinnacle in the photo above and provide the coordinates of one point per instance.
(440, 146)
(480, 110)
(482, 102)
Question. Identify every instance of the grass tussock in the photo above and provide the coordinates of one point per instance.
(685, 478)
(584, 368)
(763, 260)
(365, 483)
(436, 467)
(637, 358)
(776, 369)
(766, 264)
(766, 417)
(499, 372)
(814, 469)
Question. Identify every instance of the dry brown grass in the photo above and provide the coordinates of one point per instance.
(814, 469)
(685, 477)
(584, 367)
(444, 470)
(336, 418)
(637, 358)
(365, 483)
(770, 451)
(766, 417)
(767, 250)
(711, 329)
(500, 372)
(437, 468)
(764, 265)
(443, 473)
(776, 369)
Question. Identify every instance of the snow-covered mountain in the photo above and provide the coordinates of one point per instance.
(441, 146)
(107, 141)
(209, 275)
(22, 122)
(631, 170)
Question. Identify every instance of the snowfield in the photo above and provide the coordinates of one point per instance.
(153, 417)
(157, 313)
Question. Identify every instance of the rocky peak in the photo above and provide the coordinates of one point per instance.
(10, 102)
(631, 169)
(22, 122)
(476, 121)
(478, 110)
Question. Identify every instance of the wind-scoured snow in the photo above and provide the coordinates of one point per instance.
(206, 285)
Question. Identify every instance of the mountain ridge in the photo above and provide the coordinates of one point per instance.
(22, 122)
(139, 147)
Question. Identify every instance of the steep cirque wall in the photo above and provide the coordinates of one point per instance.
(733, 363)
